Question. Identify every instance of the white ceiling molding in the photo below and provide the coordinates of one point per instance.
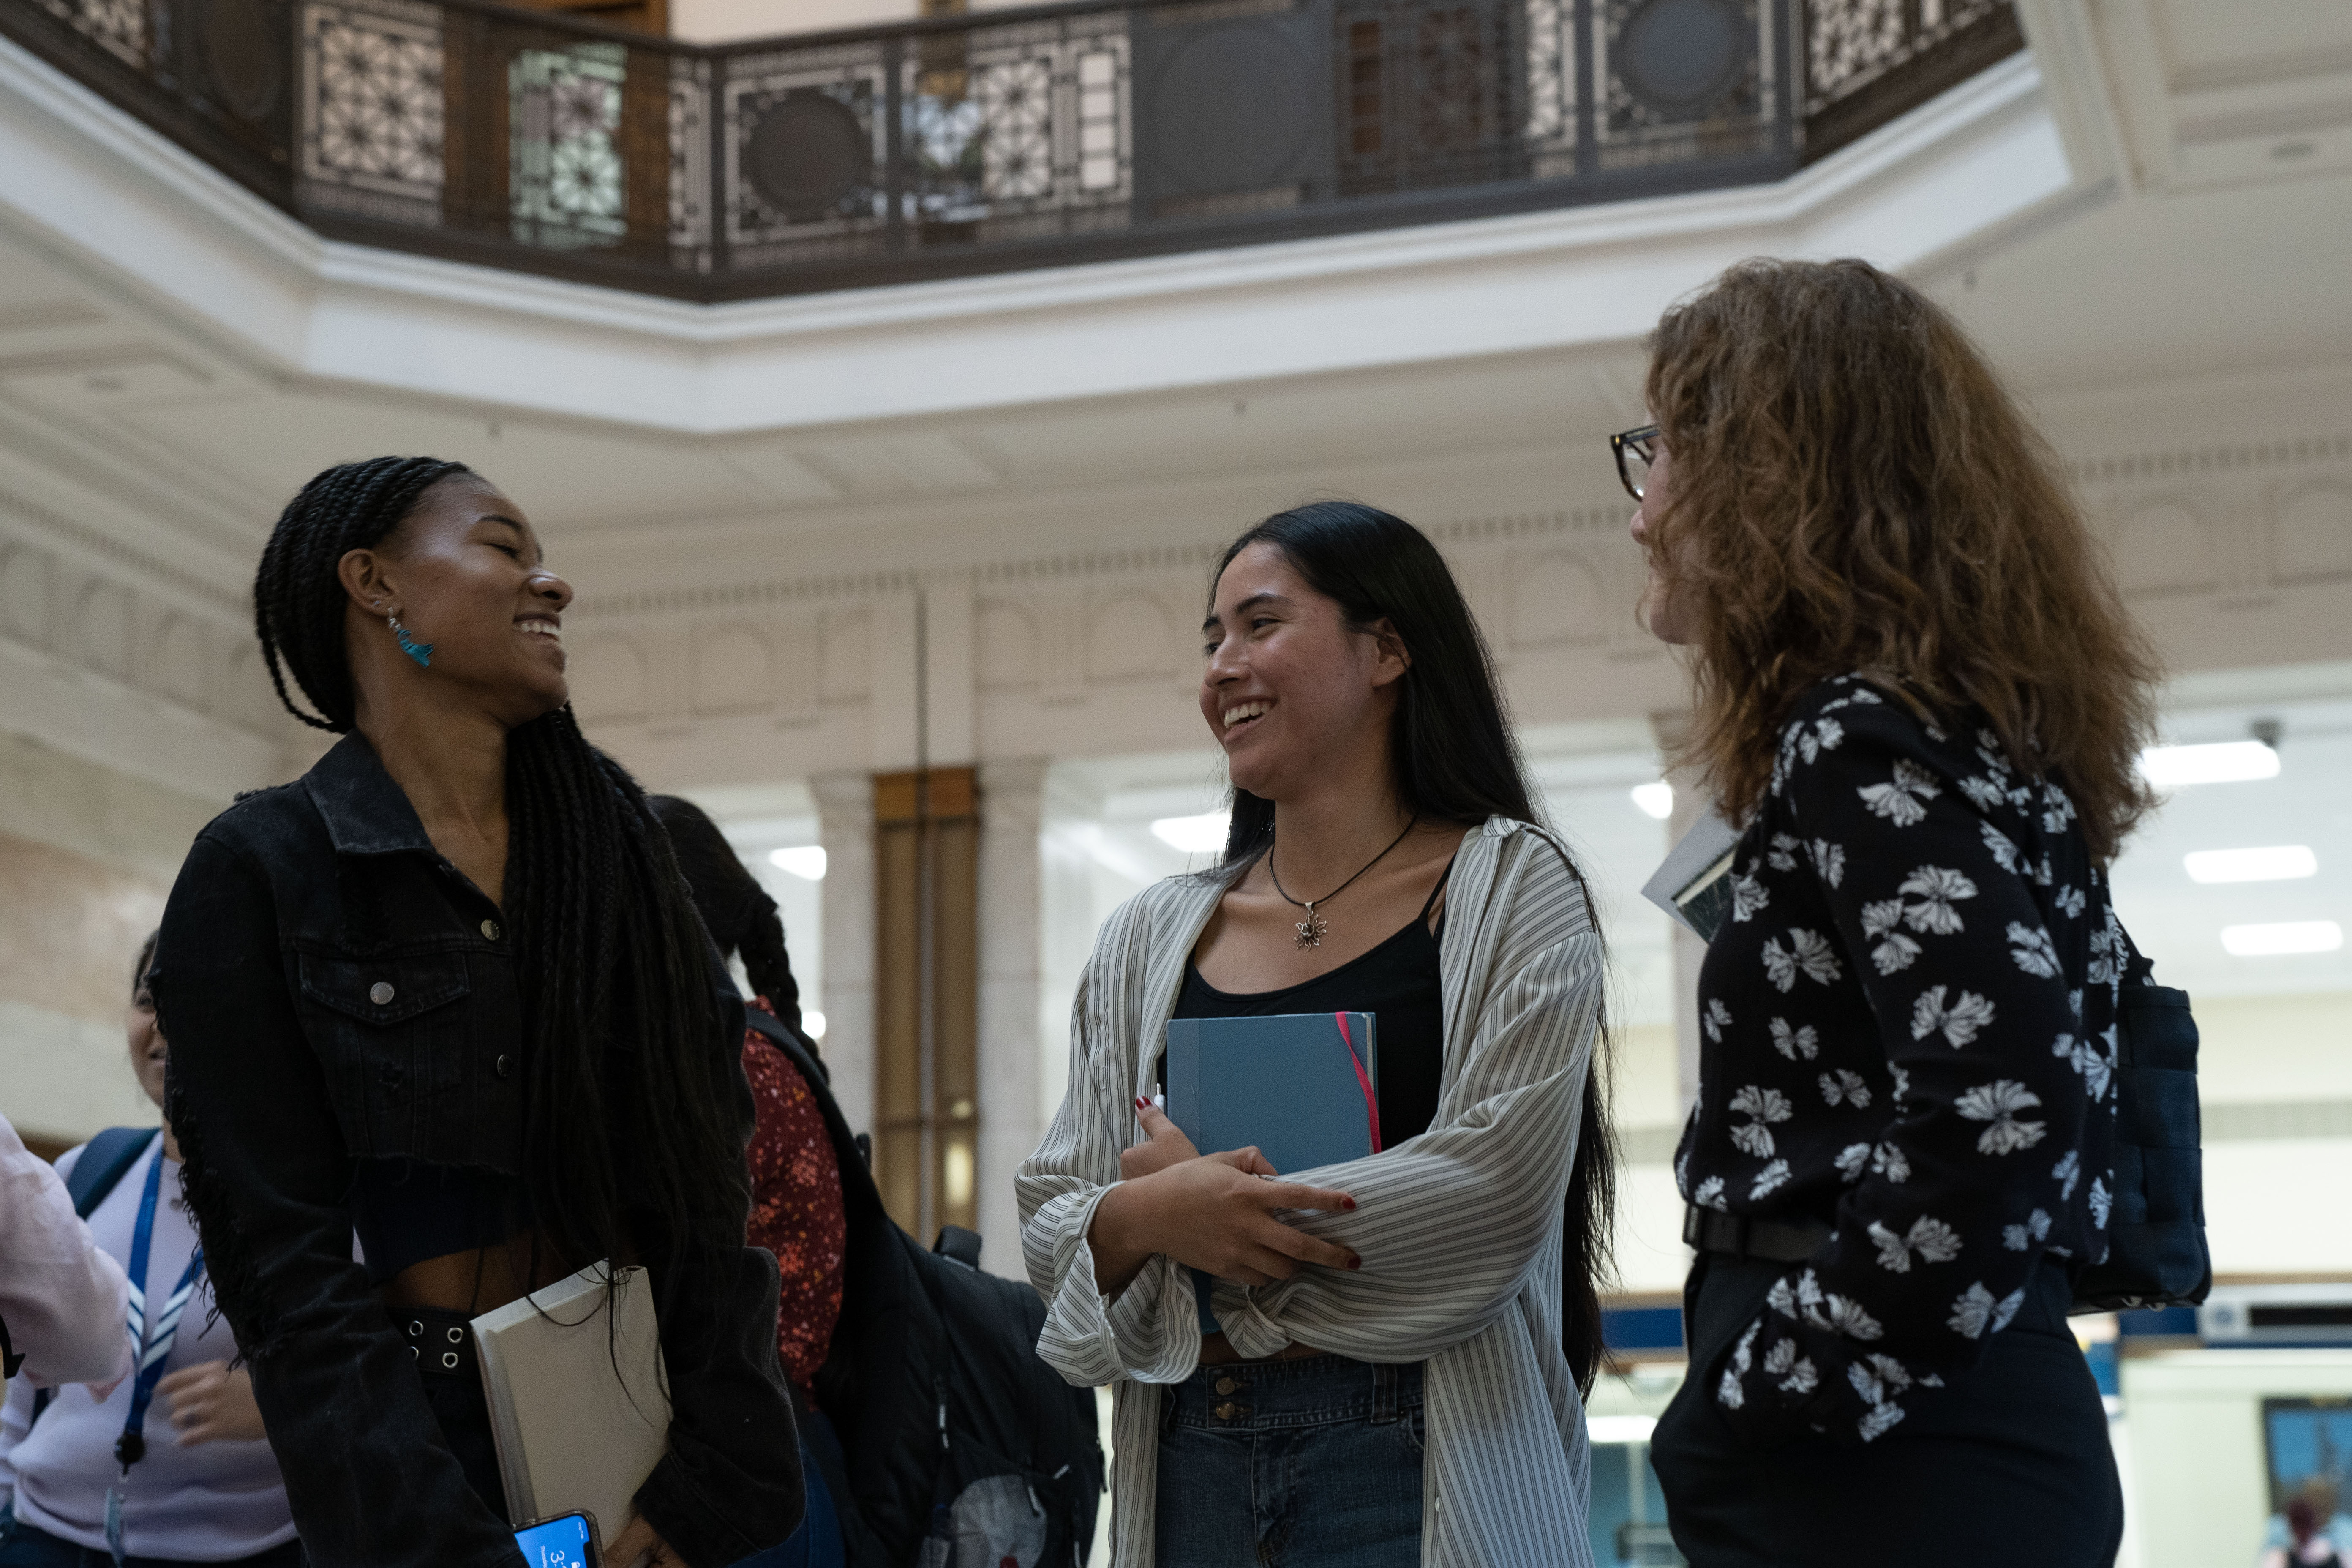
(119, 202)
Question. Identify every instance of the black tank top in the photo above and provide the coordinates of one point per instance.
(1396, 982)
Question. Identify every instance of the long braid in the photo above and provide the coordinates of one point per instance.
(610, 958)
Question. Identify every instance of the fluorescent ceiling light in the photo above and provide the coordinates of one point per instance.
(2227, 762)
(2286, 936)
(806, 862)
(1620, 1428)
(1656, 799)
(812, 1022)
(2272, 865)
(1203, 835)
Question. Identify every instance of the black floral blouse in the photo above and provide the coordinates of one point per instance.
(1908, 1033)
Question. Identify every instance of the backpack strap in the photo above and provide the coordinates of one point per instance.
(790, 1041)
(105, 1160)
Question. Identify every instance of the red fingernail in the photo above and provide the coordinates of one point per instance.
(1348, 1203)
(1140, 1103)
(1355, 1262)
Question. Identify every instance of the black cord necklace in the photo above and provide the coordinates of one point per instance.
(1314, 928)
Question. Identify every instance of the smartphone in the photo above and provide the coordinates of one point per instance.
(567, 1541)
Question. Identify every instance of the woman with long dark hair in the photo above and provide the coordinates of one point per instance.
(1919, 696)
(1398, 1348)
(448, 988)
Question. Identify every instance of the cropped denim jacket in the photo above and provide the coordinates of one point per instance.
(334, 991)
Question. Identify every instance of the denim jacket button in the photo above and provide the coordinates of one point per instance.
(490, 931)
(506, 1067)
(381, 993)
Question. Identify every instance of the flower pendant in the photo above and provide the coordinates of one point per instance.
(1312, 929)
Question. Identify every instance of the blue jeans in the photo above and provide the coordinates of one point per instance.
(817, 1542)
(21, 1546)
(1314, 1463)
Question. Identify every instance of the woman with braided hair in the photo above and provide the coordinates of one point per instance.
(448, 988)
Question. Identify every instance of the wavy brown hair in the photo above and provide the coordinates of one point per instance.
(1854, 489)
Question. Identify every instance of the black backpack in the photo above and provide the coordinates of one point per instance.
(2157, 1255)
(959, 1444)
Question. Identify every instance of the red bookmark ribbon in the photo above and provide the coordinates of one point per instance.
(1371, 1104)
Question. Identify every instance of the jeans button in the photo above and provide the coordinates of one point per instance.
(381, 993)
(490, 930)
(506, 1067)
(1225, 1385)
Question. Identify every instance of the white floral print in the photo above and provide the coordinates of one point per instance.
(1887, 1161)
(1938, 888)
(2031, 947)
(1894, 951)
(1936, 958)
(1959, 1022)
(1999, 1102)
(1804, 1041)
(1931, 1238)
(1764, 1106)
(1844, 1086)
(1902, 800)
(2033, 1233)
(2000, 846)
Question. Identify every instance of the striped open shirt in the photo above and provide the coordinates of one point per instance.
(1460, 1229)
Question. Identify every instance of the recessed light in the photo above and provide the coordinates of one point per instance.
(2277, 864)
(1202, 835)
(1655, 799)
(806, 861)
(2225, 762)
(2284, 937)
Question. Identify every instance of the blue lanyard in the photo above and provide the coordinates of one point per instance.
(151, 1347)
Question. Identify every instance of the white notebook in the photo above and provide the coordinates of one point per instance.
(572, 1432)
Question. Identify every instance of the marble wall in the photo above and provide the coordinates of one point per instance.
(86, 857)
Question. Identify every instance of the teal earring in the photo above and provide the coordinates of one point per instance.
(421, 652)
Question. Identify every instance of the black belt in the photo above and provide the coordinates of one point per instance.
(1775, 1240)
(442, 1342)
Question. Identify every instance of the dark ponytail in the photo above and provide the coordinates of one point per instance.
(740, 916)
(629, 1045)
(1455, 760)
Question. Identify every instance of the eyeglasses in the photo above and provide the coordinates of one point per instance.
(1635, 450)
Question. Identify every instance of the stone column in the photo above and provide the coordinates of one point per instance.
(845, 808)
(1013, 1114)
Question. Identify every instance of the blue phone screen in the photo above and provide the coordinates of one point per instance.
(557, 1544)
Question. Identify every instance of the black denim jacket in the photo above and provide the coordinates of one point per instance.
(333, 990)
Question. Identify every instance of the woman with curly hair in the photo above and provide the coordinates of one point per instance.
(1920, 698)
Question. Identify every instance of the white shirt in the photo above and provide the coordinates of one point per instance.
(1460, 1228)
(214, 1502)
(61, 1298)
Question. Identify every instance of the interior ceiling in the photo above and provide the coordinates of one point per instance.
(2174, 274)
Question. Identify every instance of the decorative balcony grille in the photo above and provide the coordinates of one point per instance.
(1044, 137)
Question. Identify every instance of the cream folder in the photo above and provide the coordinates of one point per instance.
(573, 1432)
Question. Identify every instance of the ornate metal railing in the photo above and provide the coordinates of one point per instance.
(1064, 133)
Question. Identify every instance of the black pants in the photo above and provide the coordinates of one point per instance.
(2009, 1466)
(463, 1411)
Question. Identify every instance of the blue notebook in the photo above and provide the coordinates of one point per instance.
(1302, 1086)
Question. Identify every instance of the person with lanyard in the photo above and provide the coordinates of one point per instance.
(1387, 1368)
(169, 1464)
